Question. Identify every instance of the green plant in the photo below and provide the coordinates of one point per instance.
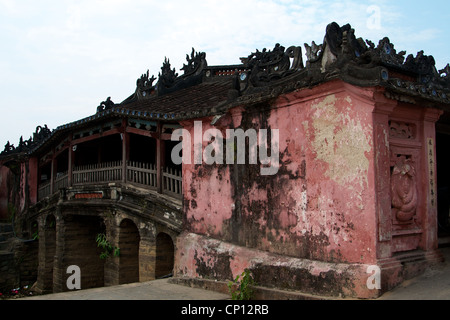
(11, 212)
(35, 235)
(108, 249)
(241, 287)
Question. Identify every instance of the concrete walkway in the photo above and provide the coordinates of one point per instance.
(151, 290)
(434, 284)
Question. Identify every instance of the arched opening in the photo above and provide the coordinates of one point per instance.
(81, 249)
(129, 252)
(164, 256)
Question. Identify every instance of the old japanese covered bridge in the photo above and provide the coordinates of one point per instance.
(361, 179)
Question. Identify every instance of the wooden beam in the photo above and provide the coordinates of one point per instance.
(97, 136)
(142, 132)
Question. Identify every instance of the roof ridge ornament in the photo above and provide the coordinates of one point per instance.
(39, 135)
(167, 76)
(196, 62)
(105, 105)
(144, 85)
(268, 65)
(313, 53)
(168, 79)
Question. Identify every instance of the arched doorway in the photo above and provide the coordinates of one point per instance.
(129, 252)
(164, 255)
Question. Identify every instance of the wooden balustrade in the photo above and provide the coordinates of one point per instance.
(44, 190)
(139, 173)
(96, 173)
(142, 173)
(61, 181)
(172, 182)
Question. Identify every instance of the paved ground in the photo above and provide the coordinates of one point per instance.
(434, 284)
(152, 290)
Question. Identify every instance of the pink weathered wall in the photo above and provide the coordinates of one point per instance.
(33, 169)
(4, 171)
(320, 205)
(328, 212)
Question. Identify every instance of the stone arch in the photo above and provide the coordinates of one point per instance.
(80, 249)
(165, 255)
(129, 239)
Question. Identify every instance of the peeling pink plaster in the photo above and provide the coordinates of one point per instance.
(321, 207)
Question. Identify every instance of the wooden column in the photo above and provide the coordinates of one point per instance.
(34, 179)
(159, 158)
(125, 149)
(52, 173)
(71, 163)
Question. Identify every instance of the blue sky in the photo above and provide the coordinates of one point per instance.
(60, 58)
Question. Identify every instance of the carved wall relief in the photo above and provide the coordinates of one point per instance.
(402, 130)
(404, 189)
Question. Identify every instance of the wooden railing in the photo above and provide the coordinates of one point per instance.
(61, 181)
(44, 190)
(145, 174)
(172, 182)
(142, 173)
(95, 173)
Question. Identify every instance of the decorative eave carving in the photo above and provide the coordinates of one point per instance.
(168, 79)
(144, 85)
(267, 66)
(167, 76)
(196, 64)
(105, 105)
(342, 55)
(39, 135)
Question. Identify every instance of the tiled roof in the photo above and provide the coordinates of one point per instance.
(193, 100)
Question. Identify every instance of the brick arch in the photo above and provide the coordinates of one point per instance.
(129, 240)
(165, 252)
